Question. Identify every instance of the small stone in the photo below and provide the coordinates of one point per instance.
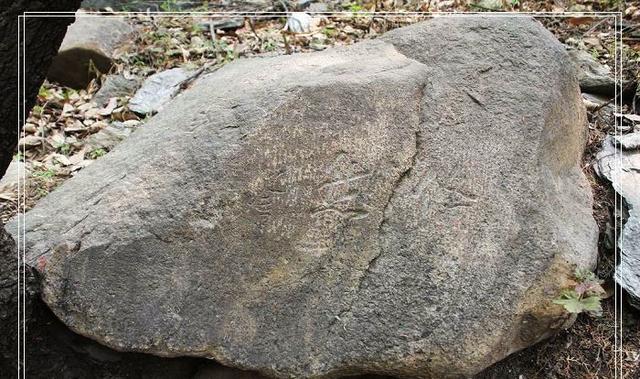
(490, 4)
(571, 42)
(29, 128)
(225, 23)
(593, 77)
(318, 8)
(578, 8)
(108, 137)
(301, 4)
(594, 101)
(157, 90)
(629, 141)
(318, 42)
(630, 10)
(9, 181)
(592, 42)
(30, 142)
(115, 86)
(299, 22)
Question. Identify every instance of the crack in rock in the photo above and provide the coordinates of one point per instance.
(403, 175)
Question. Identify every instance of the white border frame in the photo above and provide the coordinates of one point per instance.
(22, 115)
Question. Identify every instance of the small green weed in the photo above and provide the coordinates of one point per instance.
(585, 296)
(226, 51)
(96, 153)
(329, 31)
(43, 92)
(67, 93)
(41, 192)
(169, 6)
(354, 7)
(268, 45)
(45, 174)
(64, 149)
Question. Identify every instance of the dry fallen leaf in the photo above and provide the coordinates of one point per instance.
(77, 157)
(59, 158)
(108, 109)
(577, 21)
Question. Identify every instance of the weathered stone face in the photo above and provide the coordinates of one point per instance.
(409, 206)
(88, 47)
(619, 163)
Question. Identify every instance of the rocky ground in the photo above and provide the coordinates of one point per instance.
(71, 128)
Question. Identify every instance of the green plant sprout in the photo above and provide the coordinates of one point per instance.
(43, 92)
(96, 153)
(585, 296)
(169, 6)
(64, 149)
(354, 7)
(46, 174)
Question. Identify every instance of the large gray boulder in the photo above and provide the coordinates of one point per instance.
(407, 206)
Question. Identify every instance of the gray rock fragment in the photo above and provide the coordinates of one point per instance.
(593, 76)
(594, 101)
(621, 167)
(109, 137)
(88, 47)
(115, 86)
(157, 90)
(226, 23)
(629, 141)
(12, 177)
(318, 7)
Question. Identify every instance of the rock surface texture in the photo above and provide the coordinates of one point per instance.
(619, 162)
(89, 44)
(593, 76)
(116, 86)
(407, 206)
